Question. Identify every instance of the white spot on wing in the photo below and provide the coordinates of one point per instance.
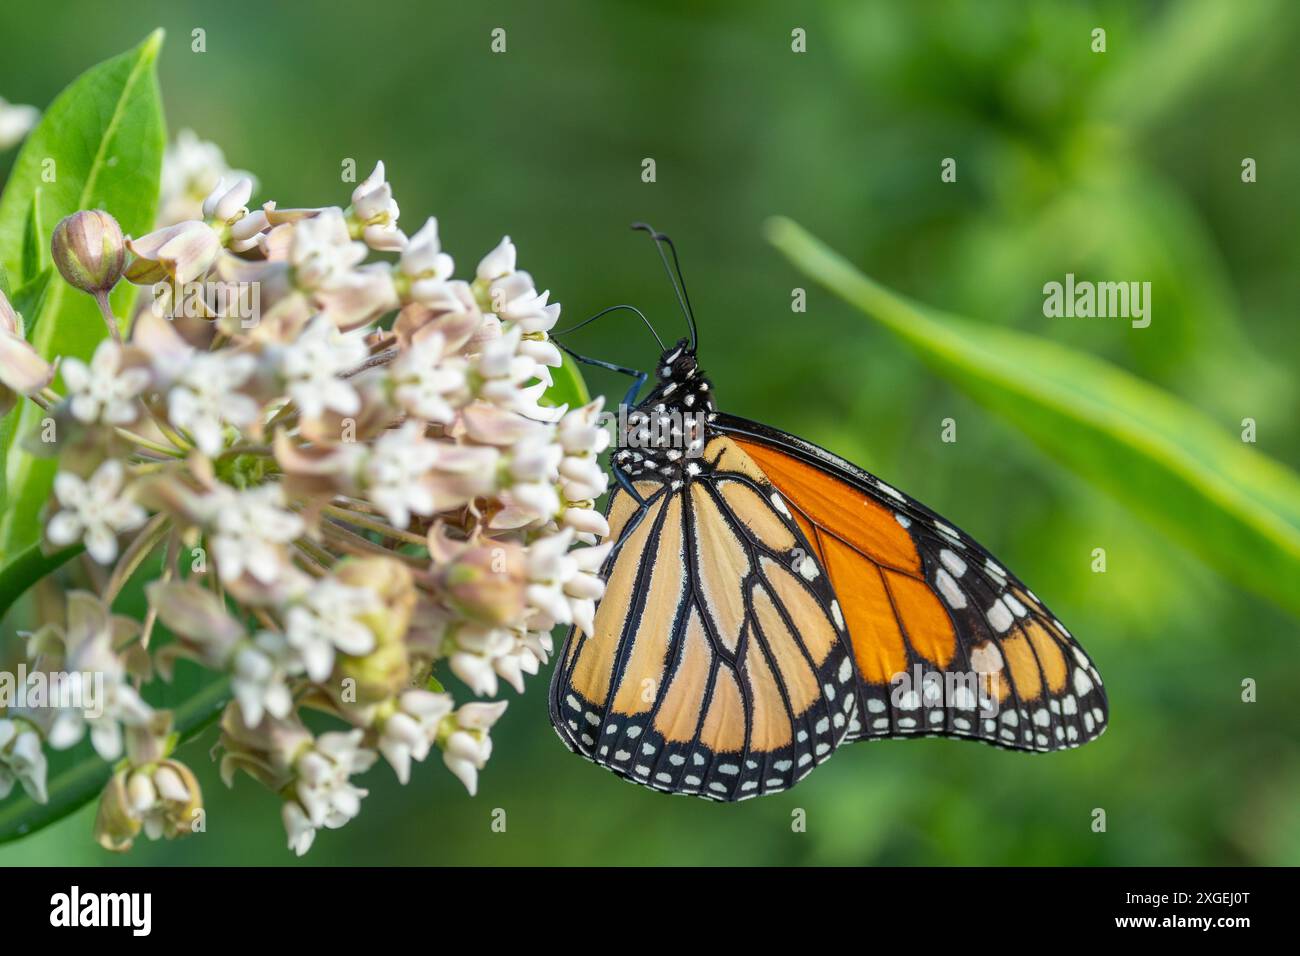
(952, 594)
(999, 616)
(953, 562)
(892, 492)
(1082, 682)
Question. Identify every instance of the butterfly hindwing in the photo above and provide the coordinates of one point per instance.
(983, 657)
(719, 665)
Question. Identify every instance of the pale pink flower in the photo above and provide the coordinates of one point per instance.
(94, 511)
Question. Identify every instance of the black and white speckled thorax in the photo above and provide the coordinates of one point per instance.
(663, 437)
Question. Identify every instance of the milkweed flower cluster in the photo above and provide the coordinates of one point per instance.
(338, 465)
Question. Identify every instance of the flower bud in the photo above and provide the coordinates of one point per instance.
(391, 582)
(486, 582)
(386, 670)
(89, 250)
(116, 826)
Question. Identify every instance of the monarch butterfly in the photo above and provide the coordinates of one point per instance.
(768, 601)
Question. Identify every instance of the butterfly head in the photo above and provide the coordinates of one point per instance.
(681, 385)
(665, 433)
(677, 363)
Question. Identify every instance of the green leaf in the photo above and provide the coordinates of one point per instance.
(567, 386)
(99, 145)
(26, 569)
(36, 250)
(30, 299)
(78, 775)
(1235, 507)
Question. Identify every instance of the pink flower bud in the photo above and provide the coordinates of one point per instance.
(88, 249)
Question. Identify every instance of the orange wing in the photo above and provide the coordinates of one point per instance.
(716, 666)
(945, 640)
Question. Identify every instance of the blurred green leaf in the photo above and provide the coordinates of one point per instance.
(1191, 46)
(27, 568)
(78, 775)
(1236, 508)
(30, 298)
(104, 137)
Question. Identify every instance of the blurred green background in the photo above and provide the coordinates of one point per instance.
(1124, 166)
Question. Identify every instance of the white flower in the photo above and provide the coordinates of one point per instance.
(22, 370)
(298, 826)
(397, 473)
(191, 169)
(580, 431)
(250, 529)
(226, 204)
(499, 262)
(357, 298)
(259, 671)
(313, 365)
(323, 787)
(182, 252)
(564, 585)
(205, 398)
(322, 251)
(582, 438)
(326, 620)
(585, 587)
(423, 258)
(502, 373)
(549, 568)
(103, 391)
(373, 207)
(21, 759)
(590, 524)
(410, 732)
(516, 301)
(534, 472)
(152, 798)
(477, 649)
(15, 122)
(468, 747)
(99, 695)
(425, 382)
(94, 511)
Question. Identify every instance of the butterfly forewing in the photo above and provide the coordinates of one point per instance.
(717, 666)
(945, 640)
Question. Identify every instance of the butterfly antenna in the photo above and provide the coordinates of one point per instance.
(678, 280)
(613, 308)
